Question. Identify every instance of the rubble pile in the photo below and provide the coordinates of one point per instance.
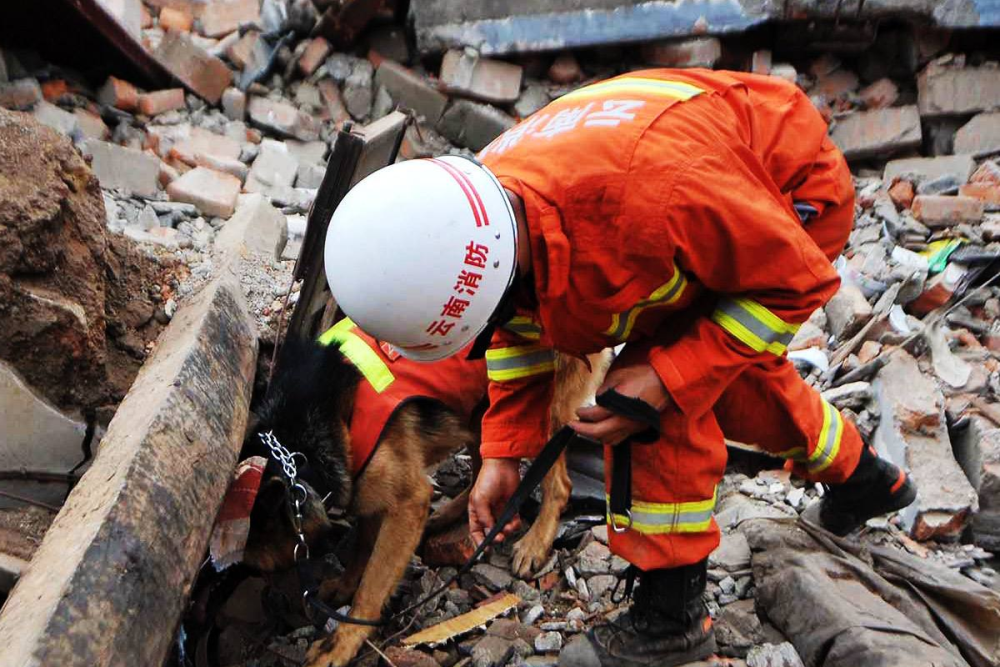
(266, 86)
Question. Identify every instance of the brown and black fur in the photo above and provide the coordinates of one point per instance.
(308, 408)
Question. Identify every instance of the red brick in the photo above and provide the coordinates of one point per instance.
(314, 55)
(945, 211)
(565, 69)
(54, 89)
(200, 71)
(119, 94)
(901, 193)
(213, 192)
(178, 19)
(988, 193)
(160, 101)
(209, 143)
(697, 52)
(282, 118)
(988, 172)
(334, 104)
(241, 52)
(222, 17)
(880, 95)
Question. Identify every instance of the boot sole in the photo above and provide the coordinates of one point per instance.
(694, 654)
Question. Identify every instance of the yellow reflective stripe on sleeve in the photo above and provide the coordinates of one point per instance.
(754, 325)
(511, 363)
(828, 444)
(365, 359)
(636, 85)
(662, 518)
(525, 327)
(795, 453)
(666, 294)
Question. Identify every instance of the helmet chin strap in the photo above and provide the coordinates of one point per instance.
(504, 312)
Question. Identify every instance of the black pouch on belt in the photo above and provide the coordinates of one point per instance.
(620, 503)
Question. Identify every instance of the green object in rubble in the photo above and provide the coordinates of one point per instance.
(938, 252)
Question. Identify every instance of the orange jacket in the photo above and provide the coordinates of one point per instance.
(657, 193)
(390, 381)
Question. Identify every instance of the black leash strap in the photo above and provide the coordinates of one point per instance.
(620, 501)
(536, 472)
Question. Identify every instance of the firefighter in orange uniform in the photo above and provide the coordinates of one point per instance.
(692, 215)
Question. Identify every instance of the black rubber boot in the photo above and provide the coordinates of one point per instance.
(667, 625)
(876, 487)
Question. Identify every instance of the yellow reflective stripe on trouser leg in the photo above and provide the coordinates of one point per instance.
(510, 363)
(828, 443)
(668, 293)
(358, 353)
(525, 327)
(662, 518)
(754, 325)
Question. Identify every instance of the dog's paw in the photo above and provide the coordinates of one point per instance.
(529, 554)
(319, 654)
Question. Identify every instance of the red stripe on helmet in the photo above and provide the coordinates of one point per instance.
(478, 210)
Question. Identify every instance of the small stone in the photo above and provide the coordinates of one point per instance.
(408, 657)
(901, 193)
(728, 585)
(282, 118)
(594, 559)
(548, 642)
(576, 614)
(234, 104)
(795, 497)
(118, 94)
(770, 655)
(601, 584)
(314, 55)
(533, 615)
(600, 533)
(492, 651)
(492, 577)
(534, 97)
(213, 192)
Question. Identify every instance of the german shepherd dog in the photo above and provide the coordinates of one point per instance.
(308, 408)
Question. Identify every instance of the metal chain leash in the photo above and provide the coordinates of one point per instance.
(298, 493)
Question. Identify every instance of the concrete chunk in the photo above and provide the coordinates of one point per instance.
(913, 434)
(981, 135)
(282, 118)
(410, 90)
(880, 132)
(847, 311)
(132, 171)
(213, 192)
(977, 449)
(273, 169)
(473, 125)
(945, 91)
(262, 227)
(481, 78)
(36, 436)
(930, 168)
(209, 143)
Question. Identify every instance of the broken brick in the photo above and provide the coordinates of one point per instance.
(945, 211)
(91, 124)
(930, 168)
(879, 132)
(117, 167)
(901, 193)
(213, 192)
(938, 291)
(241, 52)
(161, 101)
(988, 193)
(481, 78)
(200, 71)
(695, 52)
(178, 19)
(202, 141)
(54, 89)
(314, 55)
(473, 124)
(118, 94)
(988, 172)
(879, 95)
(222, 17)
(847, 311)
(330, 94)
(957, 90)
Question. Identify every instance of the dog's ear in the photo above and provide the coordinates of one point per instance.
(271, 497)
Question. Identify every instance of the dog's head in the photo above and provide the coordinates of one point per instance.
(307, 409)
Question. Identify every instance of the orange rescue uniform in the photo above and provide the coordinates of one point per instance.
(661, 208)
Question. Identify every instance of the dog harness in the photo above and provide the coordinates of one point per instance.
(390, 381)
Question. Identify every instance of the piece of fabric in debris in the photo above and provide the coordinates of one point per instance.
(232, 526)
(844, 604)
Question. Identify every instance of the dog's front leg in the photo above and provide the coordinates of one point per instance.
(532, 550)
(397, 540)
(339, 591)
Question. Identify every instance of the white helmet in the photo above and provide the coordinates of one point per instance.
(420, 254)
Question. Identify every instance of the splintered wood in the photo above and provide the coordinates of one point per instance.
(464, 623)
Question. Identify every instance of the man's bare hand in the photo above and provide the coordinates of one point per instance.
(497, 481)
(601, 424)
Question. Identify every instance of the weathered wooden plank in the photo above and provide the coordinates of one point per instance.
(110, 580)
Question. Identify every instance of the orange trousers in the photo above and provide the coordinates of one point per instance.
(674, 479)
